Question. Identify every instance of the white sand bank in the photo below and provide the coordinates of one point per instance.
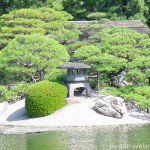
(77, 114)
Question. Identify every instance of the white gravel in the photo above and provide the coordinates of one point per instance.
(77, 113)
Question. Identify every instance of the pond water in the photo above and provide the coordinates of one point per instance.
(83, 138)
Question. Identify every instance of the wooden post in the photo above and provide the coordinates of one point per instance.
(98, 82)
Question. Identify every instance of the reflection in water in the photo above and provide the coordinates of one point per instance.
(111, 136)
(81, 139)
(47, 141)
(84, 138)
(13, 142)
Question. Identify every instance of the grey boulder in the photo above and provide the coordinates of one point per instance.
(110, 106)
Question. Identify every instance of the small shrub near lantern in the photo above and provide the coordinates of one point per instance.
(44, 98)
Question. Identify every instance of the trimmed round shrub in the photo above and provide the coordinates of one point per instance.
(44, 98)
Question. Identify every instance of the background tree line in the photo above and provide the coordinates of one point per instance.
(79, 9)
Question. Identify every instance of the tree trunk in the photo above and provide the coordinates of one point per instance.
(98, 82)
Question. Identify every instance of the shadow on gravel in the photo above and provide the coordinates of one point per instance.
(19, 114)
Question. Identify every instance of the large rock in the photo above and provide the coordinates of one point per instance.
(3, 107)
(111, 106)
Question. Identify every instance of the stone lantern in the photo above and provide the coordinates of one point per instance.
(76, 77)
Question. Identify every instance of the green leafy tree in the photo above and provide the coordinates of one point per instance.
(30, 58)
(95, 25)
(44, 21)
(115, 49)
(118, 48)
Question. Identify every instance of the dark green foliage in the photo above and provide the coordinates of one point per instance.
(115, 9)
(141, 94)
(9, 5)
(44, 98)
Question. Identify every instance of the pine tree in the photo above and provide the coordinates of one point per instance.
(44, 21)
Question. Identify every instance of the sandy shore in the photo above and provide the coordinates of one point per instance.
(77, 114)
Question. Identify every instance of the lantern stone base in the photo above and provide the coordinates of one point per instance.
(74, 85)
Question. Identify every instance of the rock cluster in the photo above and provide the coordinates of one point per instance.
(111, 106)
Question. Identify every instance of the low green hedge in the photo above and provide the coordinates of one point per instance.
(44, 98)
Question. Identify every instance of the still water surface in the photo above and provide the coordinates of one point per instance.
(86, 138)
